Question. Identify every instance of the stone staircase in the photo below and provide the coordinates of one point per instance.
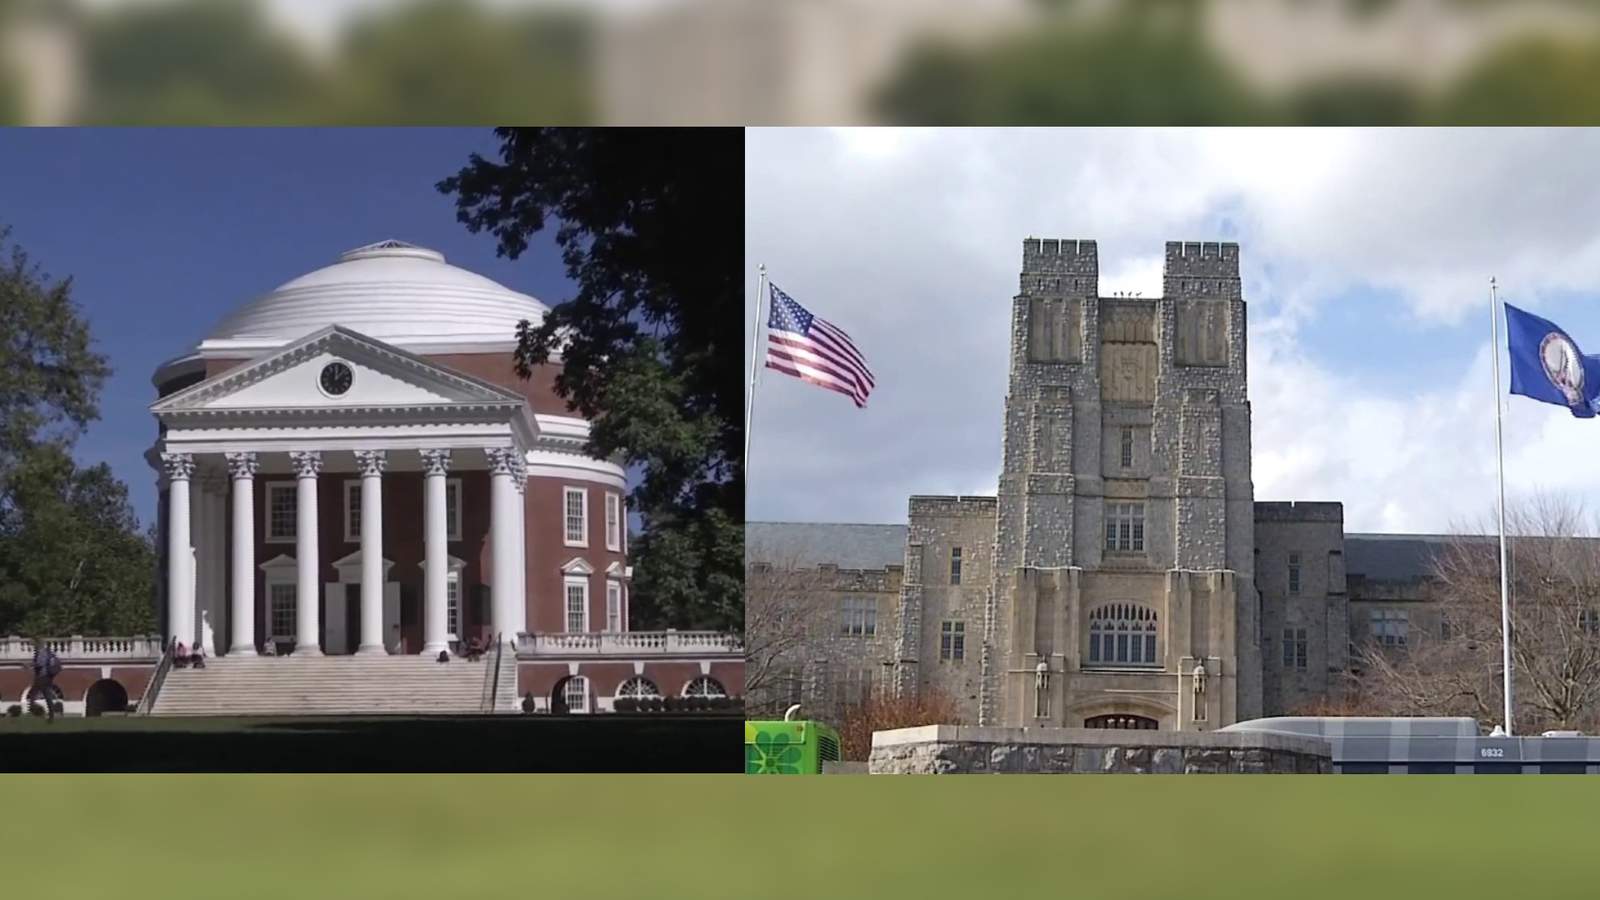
(331, 685)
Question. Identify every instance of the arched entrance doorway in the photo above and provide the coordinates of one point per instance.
(1122, 721)
(105, 695)
(570, 695)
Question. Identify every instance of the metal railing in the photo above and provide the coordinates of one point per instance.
(491, 678)
(148, 701)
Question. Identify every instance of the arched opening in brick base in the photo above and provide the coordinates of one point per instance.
(105, 695)
(571, 694)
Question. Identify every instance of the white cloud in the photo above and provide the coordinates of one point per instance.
(911, 242)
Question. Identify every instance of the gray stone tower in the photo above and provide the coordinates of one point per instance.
(1123, 559)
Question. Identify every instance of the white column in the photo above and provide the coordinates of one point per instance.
(519, 612)
(307, 466)
(242, 618)
(506, 554)
(371, 462)
(436, 563)
(180, 601)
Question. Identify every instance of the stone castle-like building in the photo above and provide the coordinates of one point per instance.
(1123, 575)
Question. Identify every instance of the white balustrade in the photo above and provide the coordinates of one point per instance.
(631, 643)
(83, 649)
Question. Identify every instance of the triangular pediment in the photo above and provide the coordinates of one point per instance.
(379, 376)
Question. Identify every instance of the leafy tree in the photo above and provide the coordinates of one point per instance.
(1061, 73)
(650, 346)
(49, 375)
(449, 61)
(72, 559)
(196, 61)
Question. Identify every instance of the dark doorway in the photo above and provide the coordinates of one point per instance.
(105, 696)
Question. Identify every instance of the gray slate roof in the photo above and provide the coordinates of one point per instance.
(1391, 557)
(847, 546)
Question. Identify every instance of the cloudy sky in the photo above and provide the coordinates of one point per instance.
(1366, 257)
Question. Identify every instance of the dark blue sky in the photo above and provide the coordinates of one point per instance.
(164, 231)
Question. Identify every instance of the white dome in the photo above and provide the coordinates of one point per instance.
(393, 291)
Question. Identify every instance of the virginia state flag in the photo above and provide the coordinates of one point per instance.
(1547, 365)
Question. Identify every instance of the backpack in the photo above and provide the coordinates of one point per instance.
(52, 664)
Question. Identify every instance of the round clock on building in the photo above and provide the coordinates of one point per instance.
(336, 378)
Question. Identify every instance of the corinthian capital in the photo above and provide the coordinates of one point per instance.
(242, 465)
(502, 460)
(307, 463)
(178, 466)
(370, 462)
(435, 462)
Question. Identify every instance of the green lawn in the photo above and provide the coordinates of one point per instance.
(707, 837)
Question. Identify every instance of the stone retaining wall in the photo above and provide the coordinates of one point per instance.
(951, 749)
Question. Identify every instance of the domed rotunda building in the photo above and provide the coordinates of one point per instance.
(355, 479)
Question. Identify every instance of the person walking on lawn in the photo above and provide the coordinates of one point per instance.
(46, 666)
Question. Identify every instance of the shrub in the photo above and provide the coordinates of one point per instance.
(35, 709)
(528, 705)
(884, 713)
(14, 710)
(625, 704)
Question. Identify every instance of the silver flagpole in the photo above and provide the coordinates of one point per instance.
(1500, 459)
(750, 399)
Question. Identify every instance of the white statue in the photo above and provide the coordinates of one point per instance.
(1198, 680)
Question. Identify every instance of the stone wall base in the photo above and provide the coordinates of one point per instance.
(948, 749)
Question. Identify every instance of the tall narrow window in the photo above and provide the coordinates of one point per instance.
(1294, 573)
(452, 605)
(613, 606)
(952, 641)
(1125, 527)
(1294, 648)
(613, 522)
(352, 511)
(282, 595)
(955, 565)
(1127, 448)
(452, 509)
(576, 509)
(577, 604)
(282, 506)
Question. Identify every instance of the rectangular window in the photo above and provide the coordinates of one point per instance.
(859, 616)
(282, 596)
(613, 606)
(1390, 627)
(955, 565)
(1125, 527)
(452, 509)
(1588, 622)
(1127, 448)
(613, 522)
(452, 605)
(577, 605)
(1294, 573)
(352, 511)
(576, 510)
(952, 641)
(1294, 648)
(281, 505)
(853, 687)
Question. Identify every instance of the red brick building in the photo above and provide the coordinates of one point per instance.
(351, 468)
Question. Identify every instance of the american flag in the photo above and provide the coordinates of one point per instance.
(815, 350)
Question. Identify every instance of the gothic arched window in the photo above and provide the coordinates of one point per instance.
(1122, 634)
